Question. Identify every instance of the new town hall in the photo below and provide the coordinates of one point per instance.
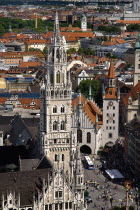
(67, 125)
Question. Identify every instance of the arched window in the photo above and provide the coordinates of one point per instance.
(58, 77)
(55, 126)
(57, 54)
(62, 157)
(56, 157)
(52, 93)
(88, 137)
(111, 82)
(51, 77)
(79, 135)
(62, 125)
(65, 93)
(53, 55)
(78, 180)
(55, 109)
(110, 92)
(62, 109)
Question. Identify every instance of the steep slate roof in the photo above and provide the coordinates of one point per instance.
(20, 134)
(25, 182)
(89, 108)
(133, 94)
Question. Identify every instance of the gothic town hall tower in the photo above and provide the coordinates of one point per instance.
(58, 143)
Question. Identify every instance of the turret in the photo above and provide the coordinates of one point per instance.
(10, 30)
(96, 121)
(103, 91)
(79, 177)
(90, 94)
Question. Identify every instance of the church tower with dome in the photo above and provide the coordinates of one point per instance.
(137, 61)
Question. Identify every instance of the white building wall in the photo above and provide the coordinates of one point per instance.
(137, 68)
(110, 120)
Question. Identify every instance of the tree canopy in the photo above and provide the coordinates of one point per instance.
(133, 27)
(96, 89)
(88, 51)
(109, 29)
(17, 24)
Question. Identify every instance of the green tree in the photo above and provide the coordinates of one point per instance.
(71, 50)
(95, 88)
(80, 50)
(2, 30)
(77, 24)
(45, 51)
(109, 29)
(133, 27)
(89, 51)
(34, 49)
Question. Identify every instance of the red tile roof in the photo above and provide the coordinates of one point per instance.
(89, 108)
(133, 94)
(29, 64)
(111, 93)
(128, 21)
(111, 73)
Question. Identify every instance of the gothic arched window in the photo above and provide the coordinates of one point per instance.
(55, 126)
(58, 77)
(79, 135)
(55, 109)
(52, 93)
(57, 54)
(62, 109)
(88, 137)
(62, 125)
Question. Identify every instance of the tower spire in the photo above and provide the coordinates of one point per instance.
(56, 28)
(111, 73)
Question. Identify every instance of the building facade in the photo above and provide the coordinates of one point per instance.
(137, 61)
(57, 140)
(111, 98)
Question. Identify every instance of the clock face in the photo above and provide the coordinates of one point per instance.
(110, 117)
(110, 103)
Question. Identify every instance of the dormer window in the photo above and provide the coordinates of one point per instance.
(110, 92)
